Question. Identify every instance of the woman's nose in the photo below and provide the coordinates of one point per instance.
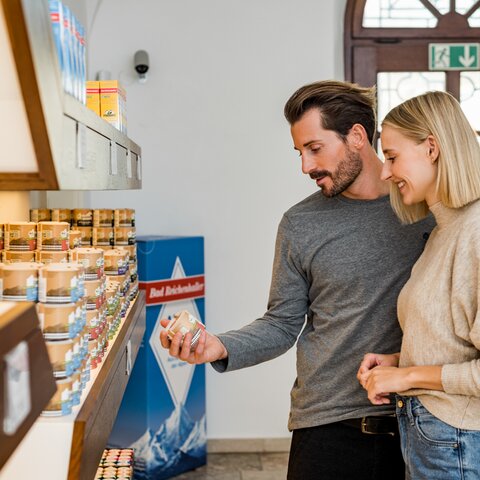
(386, 171)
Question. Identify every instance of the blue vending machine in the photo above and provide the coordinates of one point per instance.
(162, 415)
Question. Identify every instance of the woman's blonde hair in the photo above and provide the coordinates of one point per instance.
(440, 115)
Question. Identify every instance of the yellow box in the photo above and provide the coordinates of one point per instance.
(93, 96)
(112, 103)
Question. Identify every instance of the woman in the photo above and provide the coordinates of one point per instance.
(432, 159)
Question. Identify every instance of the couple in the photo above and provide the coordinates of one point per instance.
(342, 258)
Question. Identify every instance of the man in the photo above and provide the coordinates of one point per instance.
(336, 267)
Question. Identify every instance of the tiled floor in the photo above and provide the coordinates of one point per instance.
(240, 466)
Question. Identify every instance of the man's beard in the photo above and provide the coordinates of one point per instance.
(346, 173)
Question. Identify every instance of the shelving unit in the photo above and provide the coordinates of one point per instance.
(70, 447)
(65, 146)
(19, 325)
(73, 148)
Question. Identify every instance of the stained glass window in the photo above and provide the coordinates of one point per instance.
(394, 88)
(414, 13)
(470, 97)
(397, 14)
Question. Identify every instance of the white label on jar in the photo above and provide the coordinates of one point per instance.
(17, 388)
(1, 288)
(41, 319)
(71, 318)
(65, 395)
(68, 356)
(42, 289)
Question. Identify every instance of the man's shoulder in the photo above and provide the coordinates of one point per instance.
(312, 204)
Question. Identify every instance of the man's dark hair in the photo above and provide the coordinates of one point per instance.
(341, 105)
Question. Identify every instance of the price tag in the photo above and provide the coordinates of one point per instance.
(81, 145)
(17, 388)
(129, 164)
(128, 367)
(139, 167)
(113, 158)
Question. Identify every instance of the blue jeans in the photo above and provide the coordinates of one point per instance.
(433, 449)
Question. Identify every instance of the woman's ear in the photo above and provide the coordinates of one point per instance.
(433, 149)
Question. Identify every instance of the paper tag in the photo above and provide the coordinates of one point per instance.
(139, 167)
(113, 158)
(129, 164)
(81, 145)
(17, 388)
(129, 358)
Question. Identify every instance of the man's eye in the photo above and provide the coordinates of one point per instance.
(390, 159)
(315, 150)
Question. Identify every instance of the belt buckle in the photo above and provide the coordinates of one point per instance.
(364, 427)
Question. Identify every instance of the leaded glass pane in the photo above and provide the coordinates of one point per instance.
(394, 88)
(474, 19)
(397, 14)
(470, 97)
(462, 6)
(443, 6)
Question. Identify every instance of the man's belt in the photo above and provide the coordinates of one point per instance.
(381, 425)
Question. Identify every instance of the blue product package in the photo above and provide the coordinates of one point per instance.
(67, 52)
(162, 415)
(56, 19)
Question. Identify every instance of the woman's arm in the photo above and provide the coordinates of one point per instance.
(381, 381)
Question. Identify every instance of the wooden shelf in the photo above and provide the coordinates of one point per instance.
(95, 419)
(19, 323)
(73, 148)
(71, 446)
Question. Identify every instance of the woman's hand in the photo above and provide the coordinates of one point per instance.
(372, 360)
(381, 381)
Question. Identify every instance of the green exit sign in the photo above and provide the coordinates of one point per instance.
(453, 56)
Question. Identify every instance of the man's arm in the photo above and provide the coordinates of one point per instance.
(268, 336)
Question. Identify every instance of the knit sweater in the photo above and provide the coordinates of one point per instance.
(438, 310)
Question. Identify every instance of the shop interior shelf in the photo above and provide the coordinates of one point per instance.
(20, 335)
(70, 447)
(72, 147)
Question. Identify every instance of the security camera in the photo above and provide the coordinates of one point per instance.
(141, 64)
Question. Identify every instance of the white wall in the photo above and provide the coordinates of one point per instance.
(217, 153)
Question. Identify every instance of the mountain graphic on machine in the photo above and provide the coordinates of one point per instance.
(179, 440)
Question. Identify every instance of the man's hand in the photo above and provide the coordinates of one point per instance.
(372, 360)
(208, 349)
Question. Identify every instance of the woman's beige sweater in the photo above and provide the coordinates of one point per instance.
(439, 312)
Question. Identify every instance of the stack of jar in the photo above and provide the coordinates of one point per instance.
(62, 314)
(116, 464)
(95, 286)
(80, 308)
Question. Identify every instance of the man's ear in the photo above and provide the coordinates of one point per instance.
(357, 136)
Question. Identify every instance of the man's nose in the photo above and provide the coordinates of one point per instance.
(386, 171)
(307, 165)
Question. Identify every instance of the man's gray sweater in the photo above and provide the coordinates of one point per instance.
(339, 264)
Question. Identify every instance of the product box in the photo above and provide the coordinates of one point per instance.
(113, 103)
(162, 416)
(93, 96)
